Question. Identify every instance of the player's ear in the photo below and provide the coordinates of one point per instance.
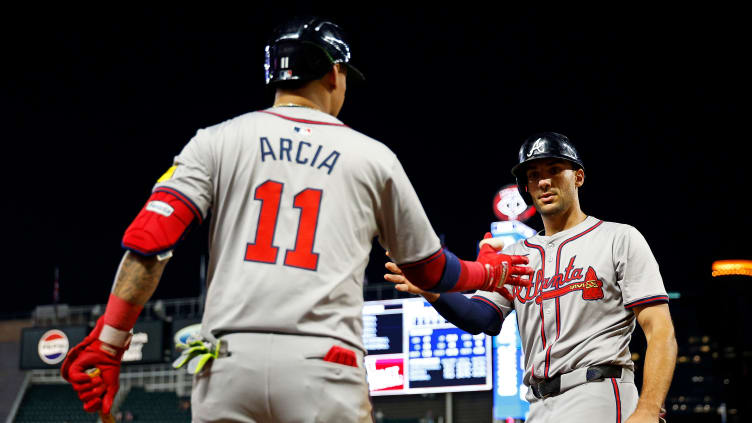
(579, 177)
(330, 79)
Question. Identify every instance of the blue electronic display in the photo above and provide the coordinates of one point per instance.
(509, 364)
(509, 361)
(382, 334)
(447, 357)
(412, 349)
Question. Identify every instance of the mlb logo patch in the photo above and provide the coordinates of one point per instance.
(302, 131)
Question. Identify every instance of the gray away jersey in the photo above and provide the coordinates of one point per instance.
(578, 311)
(296, 198)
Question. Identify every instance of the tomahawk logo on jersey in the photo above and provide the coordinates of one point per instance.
(572, 280)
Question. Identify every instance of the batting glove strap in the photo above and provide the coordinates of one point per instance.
(497, 275)
(112, 350)
(502, 269)
(116, 337)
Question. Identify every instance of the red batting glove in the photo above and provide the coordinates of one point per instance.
(95, 392)
(501, 269)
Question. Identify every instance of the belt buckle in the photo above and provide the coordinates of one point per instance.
(594, 373)
(602, 372)
(538, 389)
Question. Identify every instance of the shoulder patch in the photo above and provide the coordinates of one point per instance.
(167, 175)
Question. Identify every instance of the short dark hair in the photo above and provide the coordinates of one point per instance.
(290, 84)
(296, 84)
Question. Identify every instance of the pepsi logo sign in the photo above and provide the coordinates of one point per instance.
(53, 346)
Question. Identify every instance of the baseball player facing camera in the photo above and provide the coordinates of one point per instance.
(296, 198)
(592, 281)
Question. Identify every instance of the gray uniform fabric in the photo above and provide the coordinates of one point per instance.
(610, 400)
(577, 313)
(280, 378)
(295, 198)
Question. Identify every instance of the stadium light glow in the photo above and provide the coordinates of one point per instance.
(732, 267)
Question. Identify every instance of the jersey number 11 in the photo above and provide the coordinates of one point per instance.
(263, 250)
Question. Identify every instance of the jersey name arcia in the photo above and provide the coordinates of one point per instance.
(301, 152)
(296, 198)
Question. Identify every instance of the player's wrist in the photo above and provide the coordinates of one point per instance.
(647, 409)
(430, 296)
(489, 278)
(120, 314)
(115, 337)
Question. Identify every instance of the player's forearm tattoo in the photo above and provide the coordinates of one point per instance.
(138, 277)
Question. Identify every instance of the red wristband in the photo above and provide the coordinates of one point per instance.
(121, 314)
(472, 276)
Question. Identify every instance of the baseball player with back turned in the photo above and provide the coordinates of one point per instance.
(593, 279)
(296, 198)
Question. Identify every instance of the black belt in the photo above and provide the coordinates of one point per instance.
(552, 386)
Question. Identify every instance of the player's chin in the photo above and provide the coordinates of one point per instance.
(548, 209)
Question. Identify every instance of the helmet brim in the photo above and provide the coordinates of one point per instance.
(354, 74)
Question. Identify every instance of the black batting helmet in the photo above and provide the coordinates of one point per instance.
(305, 49)
(541, 146)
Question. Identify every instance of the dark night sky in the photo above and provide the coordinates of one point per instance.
(97, 106)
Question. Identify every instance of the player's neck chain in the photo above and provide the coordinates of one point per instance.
(293, 105)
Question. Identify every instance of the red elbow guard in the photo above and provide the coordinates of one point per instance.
(162, 223)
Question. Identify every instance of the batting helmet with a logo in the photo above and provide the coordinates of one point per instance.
(541, 146)
(305, 49)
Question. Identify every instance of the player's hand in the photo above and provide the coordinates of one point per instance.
(402, 284)
(98, 392)
(641, 416)
(496, 243)
(503, 269)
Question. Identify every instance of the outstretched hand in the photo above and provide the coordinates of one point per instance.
(501, 270)
(402, 284)
(510, 273)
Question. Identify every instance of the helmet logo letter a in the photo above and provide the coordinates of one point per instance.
(538, 146)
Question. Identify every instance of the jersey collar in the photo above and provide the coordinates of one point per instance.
(580, 227)
(305, 113)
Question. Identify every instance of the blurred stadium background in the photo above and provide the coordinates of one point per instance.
(657, 98)
(709, 385)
